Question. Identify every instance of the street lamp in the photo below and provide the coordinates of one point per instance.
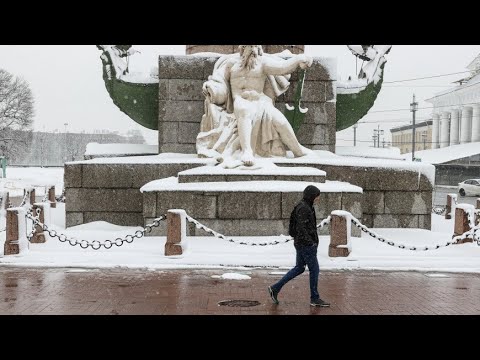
(377, 133)
(355, 134)
(424, 138)
(66, 152)
(413, 109)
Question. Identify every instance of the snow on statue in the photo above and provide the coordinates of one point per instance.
(241, 120)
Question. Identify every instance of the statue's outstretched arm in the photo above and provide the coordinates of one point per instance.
(272, 66)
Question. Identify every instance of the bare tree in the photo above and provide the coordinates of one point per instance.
(16, 111)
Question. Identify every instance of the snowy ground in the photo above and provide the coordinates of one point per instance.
(210, 252)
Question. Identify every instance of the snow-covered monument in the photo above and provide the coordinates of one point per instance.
(237, 145)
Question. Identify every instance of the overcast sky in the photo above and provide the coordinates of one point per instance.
(68, 87)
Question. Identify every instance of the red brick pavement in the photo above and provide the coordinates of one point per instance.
(195, 292)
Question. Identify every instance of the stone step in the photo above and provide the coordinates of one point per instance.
(276, 173)
(244, 208)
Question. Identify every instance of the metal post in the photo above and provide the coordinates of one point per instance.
(355, 134)
(377, 136)
(66, 144)
(413, 109)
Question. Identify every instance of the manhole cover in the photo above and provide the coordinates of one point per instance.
(239, 303)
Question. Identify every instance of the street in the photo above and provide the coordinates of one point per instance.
(440, 196)
(28, 291)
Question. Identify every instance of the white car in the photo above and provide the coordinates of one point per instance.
(469, 187)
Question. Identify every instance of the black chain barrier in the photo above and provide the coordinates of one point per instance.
(95, 244)
(457, 239)
(33, 219)
(286, 239)
(61, 198)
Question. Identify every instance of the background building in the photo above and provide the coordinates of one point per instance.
(456, 111)
(402, 137)
(55, 148)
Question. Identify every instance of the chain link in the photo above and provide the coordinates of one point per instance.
(25, 196)
(439, 209)
(286, 239)
(95, 244)
(33, 218)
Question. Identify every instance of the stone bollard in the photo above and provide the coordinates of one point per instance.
(51, 197)
(176, 232)
(477, 217)
(39, 236)
(30, 191)
(462, 224)
(448, 208)
(16, 241)
(4, 200)
(339, 234)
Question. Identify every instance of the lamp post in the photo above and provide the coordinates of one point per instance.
(66, 152)
(377, 133)
(413, 109)
(424, 137)
(355, 134)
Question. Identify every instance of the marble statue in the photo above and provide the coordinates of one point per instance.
(241, 121)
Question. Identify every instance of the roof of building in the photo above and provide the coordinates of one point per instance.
(409, 126)
(446, 154)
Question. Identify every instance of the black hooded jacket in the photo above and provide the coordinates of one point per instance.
(305, 219)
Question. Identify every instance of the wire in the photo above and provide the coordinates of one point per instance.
(416, 86)
(427, 77)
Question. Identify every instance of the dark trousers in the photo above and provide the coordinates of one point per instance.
(306, 256)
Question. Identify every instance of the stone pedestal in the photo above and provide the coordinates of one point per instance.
(338, 236)
(462, 224)
(174, 234)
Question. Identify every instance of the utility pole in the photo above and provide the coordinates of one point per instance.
(355, 134)
(424, 137)
(66, 144)
(413, 109)
(376, 136)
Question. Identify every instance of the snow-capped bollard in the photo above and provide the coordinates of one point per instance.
(448, 208)
(51, 197)
(176, 232)
(39, 236)
(340, 224)
(477, 216)
(16, 241)
(462, 224)
(4, 200)
(29, 196)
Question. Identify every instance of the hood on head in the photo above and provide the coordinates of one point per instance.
(310, 193)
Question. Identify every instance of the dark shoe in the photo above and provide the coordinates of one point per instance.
(273, 295)
(320, 303)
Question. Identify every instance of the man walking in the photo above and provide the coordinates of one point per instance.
(303, 229)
